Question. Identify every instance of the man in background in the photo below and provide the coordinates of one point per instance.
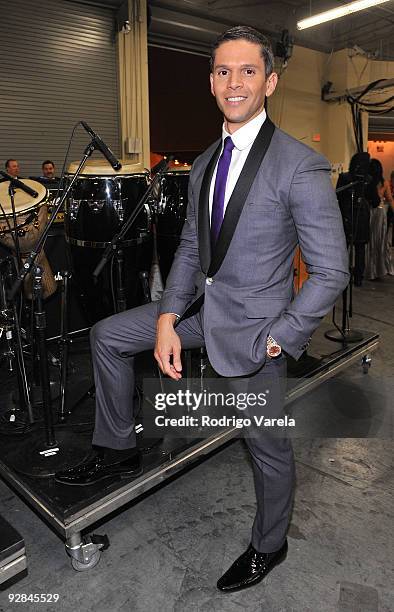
(12, 167)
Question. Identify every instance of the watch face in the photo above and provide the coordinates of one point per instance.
(274, 350)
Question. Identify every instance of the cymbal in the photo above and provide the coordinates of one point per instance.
(23, 201)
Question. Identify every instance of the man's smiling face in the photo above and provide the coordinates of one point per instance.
(238, 82)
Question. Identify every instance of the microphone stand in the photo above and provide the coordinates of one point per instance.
(11, 193)
(345, 334)
(9, 314)
(24, 398)
(60, 449)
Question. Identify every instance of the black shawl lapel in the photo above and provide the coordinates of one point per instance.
(204, 226)
(239, 195)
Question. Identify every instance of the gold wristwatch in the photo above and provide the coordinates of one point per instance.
(273, 348)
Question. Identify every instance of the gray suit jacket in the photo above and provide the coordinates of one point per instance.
(291, 201)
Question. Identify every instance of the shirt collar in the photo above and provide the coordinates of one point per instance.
(245, 136)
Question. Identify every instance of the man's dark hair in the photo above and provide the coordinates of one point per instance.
(47, 161)
(251, 35)
(7, 163)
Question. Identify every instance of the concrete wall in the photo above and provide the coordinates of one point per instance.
(297, 107)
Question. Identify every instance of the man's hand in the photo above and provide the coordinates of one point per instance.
(168, 344)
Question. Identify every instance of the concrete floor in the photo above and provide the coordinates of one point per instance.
(168, 549)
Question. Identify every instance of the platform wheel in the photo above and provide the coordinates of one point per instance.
(85, 552)
(83, 567)
(366, 363)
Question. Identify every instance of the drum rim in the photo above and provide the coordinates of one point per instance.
(25, 211)
(178, 171)
(108, 176)
(95, 244)
(29, 206)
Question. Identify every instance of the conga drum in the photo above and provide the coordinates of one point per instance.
(171, 215)
(100, 202)
(31, 219)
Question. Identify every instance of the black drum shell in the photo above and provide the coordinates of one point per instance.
(171, 213)
(172, 206)
(98, 206)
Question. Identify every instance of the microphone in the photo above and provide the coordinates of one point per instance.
(19, 184)
(100, 144)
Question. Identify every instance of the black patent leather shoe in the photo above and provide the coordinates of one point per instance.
(250, 568)
(95, 468)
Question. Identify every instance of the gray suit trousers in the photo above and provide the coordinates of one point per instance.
(115, 342)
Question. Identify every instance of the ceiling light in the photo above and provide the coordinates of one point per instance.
(334, 13)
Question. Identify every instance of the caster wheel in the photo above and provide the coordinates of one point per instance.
(83, 567)
(366, 363)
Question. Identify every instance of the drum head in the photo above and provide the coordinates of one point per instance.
(178, 168)
(23, 201)
(100, 167)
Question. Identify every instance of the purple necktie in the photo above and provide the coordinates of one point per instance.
(220, 188)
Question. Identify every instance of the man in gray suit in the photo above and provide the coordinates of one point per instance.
(253, 196)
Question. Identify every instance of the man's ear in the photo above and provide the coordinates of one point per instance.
(211, 81)
(272, 82)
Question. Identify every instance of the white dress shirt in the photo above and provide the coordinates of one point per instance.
(243, 138)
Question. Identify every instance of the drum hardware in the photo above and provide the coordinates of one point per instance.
(9, 323)
(345, 334)
(120, 287)
(144, 278)
(44, 457)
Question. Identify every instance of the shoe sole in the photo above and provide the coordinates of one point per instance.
(251, 584)
(122, 475)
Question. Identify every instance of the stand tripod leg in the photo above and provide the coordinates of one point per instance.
(23, 387)
(40, 327)
(64, 341)
(24, 392)
(120, 288)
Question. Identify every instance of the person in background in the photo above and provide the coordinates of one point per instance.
(355, 210)
(12, 167)
(379, 260)
(48, 177)
(390, 214)
(48, 169)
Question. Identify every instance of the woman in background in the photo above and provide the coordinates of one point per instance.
(379, 260)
